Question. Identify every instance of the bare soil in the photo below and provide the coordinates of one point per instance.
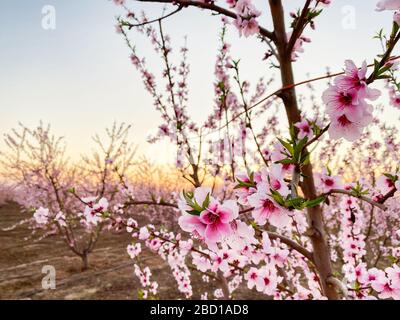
(110, 275)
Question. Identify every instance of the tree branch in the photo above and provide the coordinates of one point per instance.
(299, 27)
(130, 25)
(363, 198)
(212, 7)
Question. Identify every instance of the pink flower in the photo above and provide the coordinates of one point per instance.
(267, 280)
(305, 129)
(279, 154)
(396, 17)
(130, 225)
(60, 218)
(346, 105)
(93, 211)
(326, 183)
(388, 5)
(252, 277)
(341, 102)
(192, 224)
(246, 27)
(385, 184)
(394, 99)
(41, 215)
(243, 192)
(324, 3)
(298, 46)
(201, 262)
(393, 274)
(355, 78)
(388, 291)
(343, 127)
(246, 21)
(133, 250)
(144, 233)
(273, 179)
(217, 219)
(361, 273)
(265, 208)
(377, 279)
(242, 235)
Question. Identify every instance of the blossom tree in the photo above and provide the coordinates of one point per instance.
(288, 213)
(45, 182)
(287, 195)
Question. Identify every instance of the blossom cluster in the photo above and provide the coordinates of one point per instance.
(246, 21)
(346, 102)
(393, 5)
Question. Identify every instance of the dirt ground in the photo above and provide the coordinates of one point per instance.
(110, 275)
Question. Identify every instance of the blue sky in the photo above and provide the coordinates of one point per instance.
(79, 78)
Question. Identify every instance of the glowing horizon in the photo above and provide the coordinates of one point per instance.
(79, 78)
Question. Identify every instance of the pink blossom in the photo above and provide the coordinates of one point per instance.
(346, 105)
(273, 179)
(341, 102)
(217, 219)
(397, 184)
(60, 218)
(341, 126)
(201, 262)
(267, 280)
(279, 154)
(355, 78)
(388, 291)
(131, 224)
(388, 5)
(246, 21)
(266, 209)
(93, 211)
(134, 250)
(393, 274)
(192, 224)
(144, 233)
(243, 192)
(247, 27)
(385, 184)
(396, 17)
(376, 278)
(298, 46)
(119, 2)
(394, 98)
(326, 182)
(41, 216)
(305, 129)
(252, 277)
(242, 235)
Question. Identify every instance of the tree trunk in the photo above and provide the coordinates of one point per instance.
(320, 248)
(85, 261)
(224, 285)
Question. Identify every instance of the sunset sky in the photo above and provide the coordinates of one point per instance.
(79, 78)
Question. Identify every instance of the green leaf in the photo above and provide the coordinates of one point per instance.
(297, 203)
(277, 197)
(71, 190)
(299, 148)
(315, 202)
(286, 161)
(206, 202)
(305, 160)
(287, 146)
